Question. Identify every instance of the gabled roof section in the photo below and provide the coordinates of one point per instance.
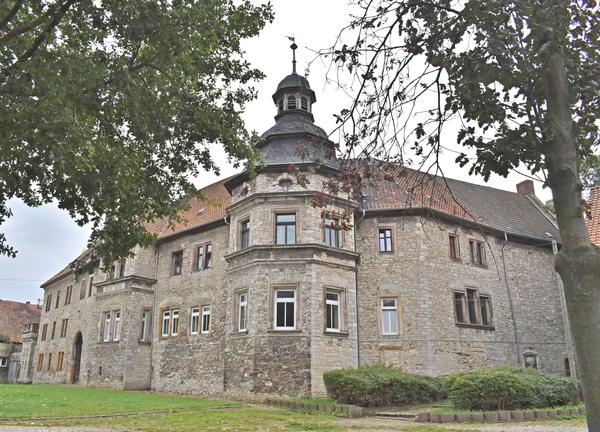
(593, 224)
(14, 315)
(68, 270)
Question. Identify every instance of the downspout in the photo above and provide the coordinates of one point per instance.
(510, 302)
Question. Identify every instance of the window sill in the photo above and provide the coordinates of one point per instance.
(342, 333)
(108, 343)
(456, 260)
(239, 333)
(481, 266)
(476, 326)
(286, 331)
(144, 342)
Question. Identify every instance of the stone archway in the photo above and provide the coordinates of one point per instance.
(76, 359)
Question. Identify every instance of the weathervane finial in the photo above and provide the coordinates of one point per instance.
(293, 46)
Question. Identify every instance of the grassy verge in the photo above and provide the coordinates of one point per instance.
(449, 409)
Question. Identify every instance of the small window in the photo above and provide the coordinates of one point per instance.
(68, 295)
(454, 248)
(459, 301)
(166, 319)
(48, 302)
(117, 328)
(144, 329)
(208, 256)
(530, 360)
(332, 232)
(243, 312)
(44, 332)
(63, 327)
(280, 106)
(91, 286)
(206, 319)
(291, 102)
(106, 333)
(194, 321)
(304, 103)
(40, 362)
(82, 289)
(285, 228)
(49, 365)
(385, 240)
(3, 362)
(53, 330)
(471, 307)
(567, 367)
(113, 269)
(174, 322)
(477, 249)
(177, 263)
(332, 306)
(389, 316)
(199, 261)
(245, 234)
(57, 300)
(59, 361)
(285, 309)
(122, 268)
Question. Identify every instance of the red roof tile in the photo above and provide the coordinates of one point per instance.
(14, 315)
(593, 224)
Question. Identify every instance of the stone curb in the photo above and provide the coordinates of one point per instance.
(345, 410)
(101, 416)
(495, 416)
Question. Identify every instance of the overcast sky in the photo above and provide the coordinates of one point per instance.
(47, 238)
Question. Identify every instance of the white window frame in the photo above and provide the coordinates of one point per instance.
(242, 312)
(284, 300)
(334, 304)
(144, 329)
(174, 322)
(3, 362)
(394, 313)
(206, 312)
(194, 320)
(117, 326)
(107, 322)
(166, 317)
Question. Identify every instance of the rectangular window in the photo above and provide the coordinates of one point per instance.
(177, 263)
(471, 307)
(199, 264)
(166, 319)
(82, 289)
(243, 312)
(332, 232)
(63, 327)
(477, 249)
(206, 319)
(194, 321)
(53, 329)
(40, 362)
(91, 285)
(245, 234)
(49, 365)
(285, 309)
(145, 321)
(454, 249)
(389, 316)
(208, 256)
(3, 362)
(48, 302)
(44, 332)
(385, 240)
(106, 332)
(59, 361)
(122, 268)
(174, 322)
(117, 328)
(68, 295)
(57, 300)
(332, 306)
(285, 228)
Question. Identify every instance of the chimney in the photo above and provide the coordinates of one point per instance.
(525, 188)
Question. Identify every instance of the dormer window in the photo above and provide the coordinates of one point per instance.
(304, 103)
(280, 106)
(291, 103)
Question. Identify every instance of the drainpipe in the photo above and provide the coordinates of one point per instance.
(510, 302)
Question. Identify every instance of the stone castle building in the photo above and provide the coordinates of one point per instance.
(257, 291)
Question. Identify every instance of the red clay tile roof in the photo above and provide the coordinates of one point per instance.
(14, 315)
(593, 224)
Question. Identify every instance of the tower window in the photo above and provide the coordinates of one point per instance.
(304, 103)
(280, 105)
(291, 102)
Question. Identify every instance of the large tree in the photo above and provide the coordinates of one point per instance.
(522, 80)
(110, 107)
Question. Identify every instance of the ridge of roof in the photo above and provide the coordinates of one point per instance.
(14, 316)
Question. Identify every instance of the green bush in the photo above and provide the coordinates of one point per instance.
(381, 386)
(510, 388)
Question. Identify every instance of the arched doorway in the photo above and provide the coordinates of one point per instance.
(76, 358)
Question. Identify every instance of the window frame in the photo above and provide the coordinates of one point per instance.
(333, 303)
(63, 327)
(385, 239)
(454, 252)
(244, 233)
(116, 336)
(473, 318)
(3, 362)
(57, 302)
(60, 360)
(477, 252)
(394, 312)
(40, 362)
(333, 231)
(242, 311)
(286, 225)
(90, 286)
(285, 301)
(53, 334)
(48, 302)
(165, 317)
(49, 365)
(107, 326)
(146, 318)
(194, 323)
(206, 312)
(176, 257)
(174, 322)
(44, 331)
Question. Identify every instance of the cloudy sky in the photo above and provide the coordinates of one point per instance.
(46, 237)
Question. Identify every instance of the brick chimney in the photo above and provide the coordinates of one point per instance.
(525, 188)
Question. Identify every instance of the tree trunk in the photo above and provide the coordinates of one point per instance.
(578, 262)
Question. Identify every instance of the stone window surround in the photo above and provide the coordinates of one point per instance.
(285, 210)
(146, 322)
(387, 294)
(170, 334)
(49, 361)
(238, 232)
(204, 245)
(60, 361)
(298, 307)
(477, 242)
(205, 310)
(109, 323)
(174, 270)
(343, 310)
(479, 293)
(392, 228)
(235, 322)
(341, 234)
(531, 352)
(200, 308)
(454, 235)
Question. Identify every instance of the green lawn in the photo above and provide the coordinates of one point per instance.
(27, 401)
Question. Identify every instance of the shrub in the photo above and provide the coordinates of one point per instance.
(510, 388)
(381, 386)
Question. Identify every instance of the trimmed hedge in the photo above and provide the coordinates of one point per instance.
(510, 388)
(380, 386)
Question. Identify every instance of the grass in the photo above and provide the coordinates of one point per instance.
(41, 401)
(451, 410)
